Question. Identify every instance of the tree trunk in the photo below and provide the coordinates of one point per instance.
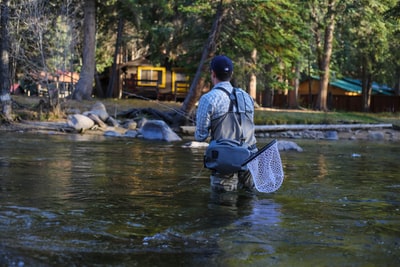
(317, 35)
(397, 84)
(253, 77)
(99, 92)
(294, 94)
(268, 98)
(366, 84)
(326, 59)
(5, 98)
(114, 79)
(197, 86)
(84, 86)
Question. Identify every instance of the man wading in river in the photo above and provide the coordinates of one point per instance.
(217, 116)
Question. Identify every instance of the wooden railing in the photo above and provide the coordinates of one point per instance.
(181, 89)
(141, 88)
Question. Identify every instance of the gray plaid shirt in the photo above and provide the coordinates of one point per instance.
(212, 105)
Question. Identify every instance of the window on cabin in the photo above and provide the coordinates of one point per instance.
(150, 76)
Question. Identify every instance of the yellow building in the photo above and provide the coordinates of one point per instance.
(140, 78)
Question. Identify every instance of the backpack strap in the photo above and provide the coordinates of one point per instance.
(233, 101)
(232, 97)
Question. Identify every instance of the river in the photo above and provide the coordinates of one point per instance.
(77, 200)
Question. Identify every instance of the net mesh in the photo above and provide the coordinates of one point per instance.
(267, 170)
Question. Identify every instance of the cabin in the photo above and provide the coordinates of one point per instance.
(41, 82)
(140, 79)
(345, 86)
(346, 94)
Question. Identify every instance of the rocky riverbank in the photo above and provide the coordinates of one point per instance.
(335, 132)
(339, 134)
(371, 132)
(98, 121)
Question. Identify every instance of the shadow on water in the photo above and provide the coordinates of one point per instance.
(83, 201)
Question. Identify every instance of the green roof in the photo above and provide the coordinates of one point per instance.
(350, 87)
(355, 86)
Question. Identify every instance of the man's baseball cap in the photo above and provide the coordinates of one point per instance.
(222, 65)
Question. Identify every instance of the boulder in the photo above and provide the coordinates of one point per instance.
(158, 130)
(130, 124)
(376, 135)
(141, 123)
(112, 134)
(99, 110)
(97, 120)
(331, 135)
(131, 133)
(80, 122)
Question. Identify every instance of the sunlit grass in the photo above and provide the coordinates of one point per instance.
(276, 116)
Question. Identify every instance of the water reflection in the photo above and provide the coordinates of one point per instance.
(81, 200)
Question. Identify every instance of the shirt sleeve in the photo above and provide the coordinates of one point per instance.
(212, 105)
(203, 119)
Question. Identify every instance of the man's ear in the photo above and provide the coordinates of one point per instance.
(213, 76)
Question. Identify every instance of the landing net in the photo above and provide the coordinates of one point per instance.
(266, 168)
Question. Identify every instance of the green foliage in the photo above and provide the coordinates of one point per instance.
(175, 32)
(365, 38)
(273, 28)
(393, 12)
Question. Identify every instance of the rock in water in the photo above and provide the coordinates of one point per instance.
(158, 130)
(195, 144)
(289, 145)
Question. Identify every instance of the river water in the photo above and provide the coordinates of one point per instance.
(77, 200)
